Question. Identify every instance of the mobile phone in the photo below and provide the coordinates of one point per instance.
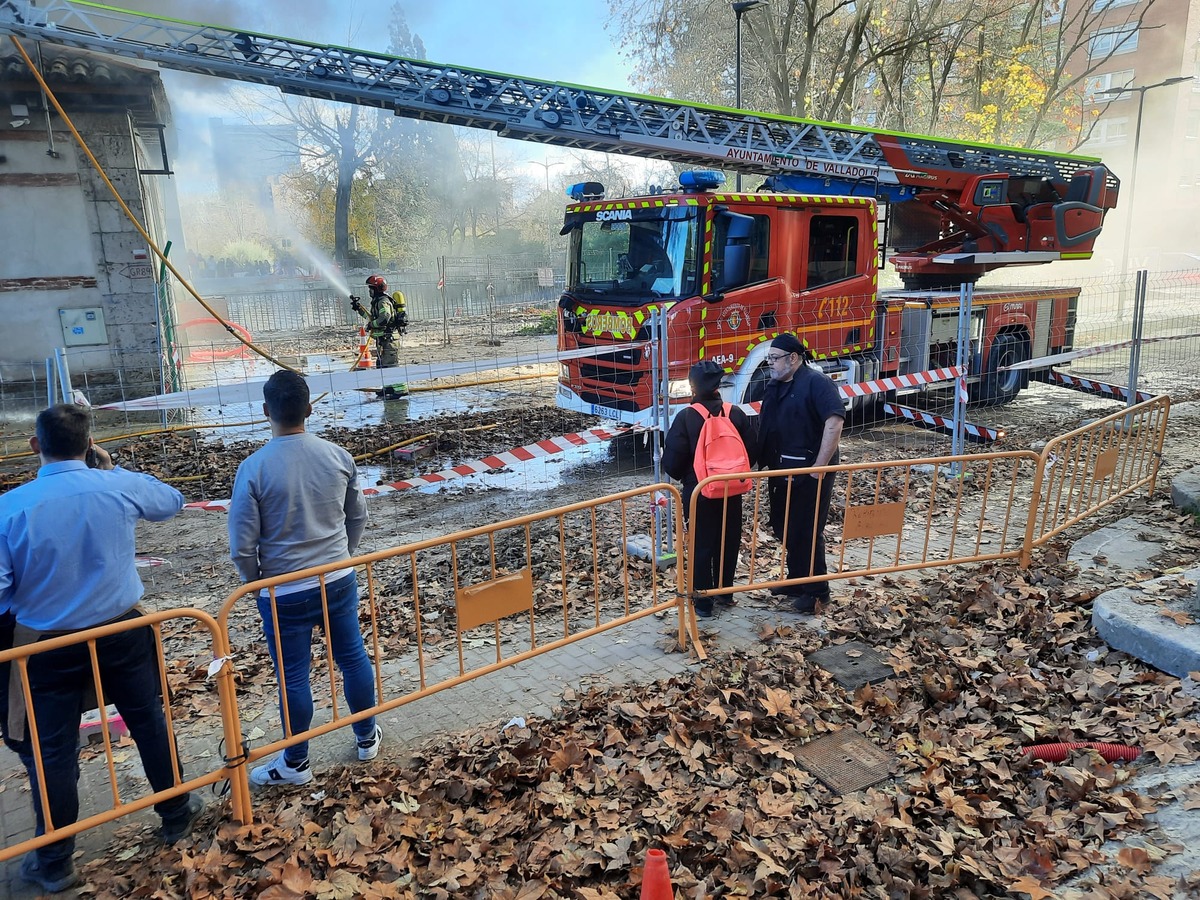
(91, 459)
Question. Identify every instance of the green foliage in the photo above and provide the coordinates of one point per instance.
(547, 323)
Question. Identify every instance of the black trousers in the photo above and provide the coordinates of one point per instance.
(718, 538)
(806, 513)
(58, 680)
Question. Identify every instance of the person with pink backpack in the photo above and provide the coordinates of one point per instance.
(711, 437)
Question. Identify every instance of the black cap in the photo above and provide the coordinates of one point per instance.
(788, 343)
(705, 378)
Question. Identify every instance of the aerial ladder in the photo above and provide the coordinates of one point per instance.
(957, 209)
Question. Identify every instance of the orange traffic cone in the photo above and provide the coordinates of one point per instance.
(656, 879)
(364, 350)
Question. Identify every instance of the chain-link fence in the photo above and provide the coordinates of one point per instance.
(457, 288)
(312, 328)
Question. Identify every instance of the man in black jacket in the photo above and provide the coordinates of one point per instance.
(718, 525)
(800, 426)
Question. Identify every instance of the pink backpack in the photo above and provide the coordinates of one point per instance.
(720, 451)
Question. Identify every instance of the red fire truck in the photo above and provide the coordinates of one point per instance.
(732, 270)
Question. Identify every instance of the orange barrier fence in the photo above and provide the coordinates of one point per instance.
(885, 517)
(130, 795)
(450, 609)
(1091, 467)
(446, 610)
(903, 515)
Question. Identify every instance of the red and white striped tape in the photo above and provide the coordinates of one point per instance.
(979, 432)
(1087, 386)
(538, 450)
(218, 505)
(879, 385)
(550, 446)
(897, 382)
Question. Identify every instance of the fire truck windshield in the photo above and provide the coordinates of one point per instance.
(634, 252)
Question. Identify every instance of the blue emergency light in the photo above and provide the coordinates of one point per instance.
(586, 190)
(701, 180)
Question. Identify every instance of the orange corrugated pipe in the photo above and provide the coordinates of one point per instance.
(1058, 752)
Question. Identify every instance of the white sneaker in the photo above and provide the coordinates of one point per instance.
(277, 771)
(368, 747)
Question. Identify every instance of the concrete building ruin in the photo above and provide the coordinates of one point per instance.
(76, 274)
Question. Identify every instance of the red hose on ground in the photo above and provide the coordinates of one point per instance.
(1058, 752)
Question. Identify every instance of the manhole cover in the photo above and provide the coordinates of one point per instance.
(845, 761)
(852, 664)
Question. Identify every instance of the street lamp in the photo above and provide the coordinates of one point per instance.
(740, 8)
(1115, 94)
(546, 166)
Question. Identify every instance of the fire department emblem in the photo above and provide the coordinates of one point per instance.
(735, 317)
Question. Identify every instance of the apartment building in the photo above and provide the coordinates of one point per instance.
(1140, 44)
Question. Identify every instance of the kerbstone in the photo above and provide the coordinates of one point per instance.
(1141, 630)
(1185, 490)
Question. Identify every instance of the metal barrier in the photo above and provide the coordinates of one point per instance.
(435, 598)
(896, 516)
(1091, 467)
(438, 598)
(19, 658)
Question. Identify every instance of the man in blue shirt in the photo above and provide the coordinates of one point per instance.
(67, 564)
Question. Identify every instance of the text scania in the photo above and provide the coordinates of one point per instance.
(614, 215)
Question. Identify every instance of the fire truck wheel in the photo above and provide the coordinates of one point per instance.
(996, 388)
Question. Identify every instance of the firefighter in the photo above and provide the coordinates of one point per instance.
(386, 316)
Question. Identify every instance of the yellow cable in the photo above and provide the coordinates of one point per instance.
(384, 450)
(448, 387)
(132, 218)
(462, 384)
(421, 437)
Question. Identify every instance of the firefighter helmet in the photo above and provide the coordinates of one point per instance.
(377, 283)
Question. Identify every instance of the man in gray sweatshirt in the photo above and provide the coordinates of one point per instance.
(296, 503)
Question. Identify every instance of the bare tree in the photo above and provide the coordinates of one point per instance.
(994, 70)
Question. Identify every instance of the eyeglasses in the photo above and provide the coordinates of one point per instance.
(777, 357)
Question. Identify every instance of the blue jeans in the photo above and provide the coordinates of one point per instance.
(298, 614)
(129, 675)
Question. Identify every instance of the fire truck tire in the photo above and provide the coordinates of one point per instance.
(996, 388)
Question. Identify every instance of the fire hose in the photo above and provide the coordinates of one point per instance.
(1058, 752)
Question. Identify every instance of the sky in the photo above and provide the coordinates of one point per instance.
(570, 43)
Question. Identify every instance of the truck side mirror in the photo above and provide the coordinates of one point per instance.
(736, 268)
